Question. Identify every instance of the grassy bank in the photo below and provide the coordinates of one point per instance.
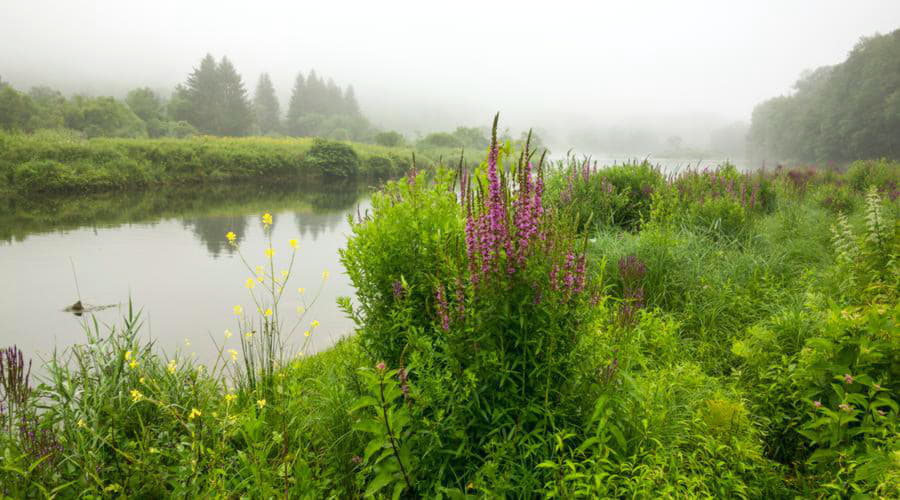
(55, 162)
(567, 333)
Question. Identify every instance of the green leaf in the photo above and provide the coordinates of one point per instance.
(370, 426)
(381, 480)
(363, 402)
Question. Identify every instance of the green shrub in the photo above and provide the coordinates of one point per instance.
(379, 166)
(884, 174)
(390, 139)
(619, 195)
(43, 175)
(483, 302)
(332, 159)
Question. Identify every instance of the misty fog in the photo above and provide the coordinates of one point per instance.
(649, 71)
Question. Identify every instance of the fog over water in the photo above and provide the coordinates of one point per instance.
(673, 67)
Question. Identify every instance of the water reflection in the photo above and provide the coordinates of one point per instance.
(166, 249)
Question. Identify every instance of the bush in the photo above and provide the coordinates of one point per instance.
(379, 166)
(440, 140)
(390, 139)
(43, 175)
(883, 174)
(332, 159)
(482, 302)
(618, 196)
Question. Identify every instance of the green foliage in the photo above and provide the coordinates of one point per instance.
(868, 265)
(16, 109)
(103, 117)
(389, 139)
(440, 140)
(837, 113)
(145, 104)
(389, 455)
(883, 174)
(73, 164)
(618, 196)
(265, 105)
(332, 159)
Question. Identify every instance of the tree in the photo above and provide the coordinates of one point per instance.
(351, 107)
(265, 104)
(836, 113)
(103, 117)
(297, 107)
(16, 109)
(145, 103)
(204, 95)
(236, 115)
(50, 108)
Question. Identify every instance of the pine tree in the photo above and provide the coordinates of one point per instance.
(316, 94)
(236, 113)
(265, 104)
(297, 106)
(204, 95)
(351, 107)
(334, 100)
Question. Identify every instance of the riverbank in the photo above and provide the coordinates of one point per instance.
(59, 162)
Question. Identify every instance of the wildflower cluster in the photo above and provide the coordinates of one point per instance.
(264, 342)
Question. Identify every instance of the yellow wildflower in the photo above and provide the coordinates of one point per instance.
(324, 275)
(133, 364)
(301, 290)
(261, 403)
(250, 284)
(306, 333)
(270, 252)
(267, 219)
(127, 355)
(172, 366)
(229, 398)
(260, 270)
(228, 334)
(142, 380)
(314, 324)
(136, 395)
(81, 423)
(269, 311)
(248, 335)
(293, 243)
(284, 274)
(233, 353)
(238, 310)
(230, 236)
(300, 309)
(194, 413)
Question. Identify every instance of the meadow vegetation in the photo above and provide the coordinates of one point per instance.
(524, 329)
(63, 162)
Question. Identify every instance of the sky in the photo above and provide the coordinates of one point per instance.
(424, 65)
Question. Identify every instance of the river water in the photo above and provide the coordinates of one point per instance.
(167, 251)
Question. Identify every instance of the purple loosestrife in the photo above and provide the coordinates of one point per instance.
(14, 376)
(443, 308)
(632, 270)
(397, 289)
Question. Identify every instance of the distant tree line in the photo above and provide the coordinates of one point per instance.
(836, 113)
(213, 100)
